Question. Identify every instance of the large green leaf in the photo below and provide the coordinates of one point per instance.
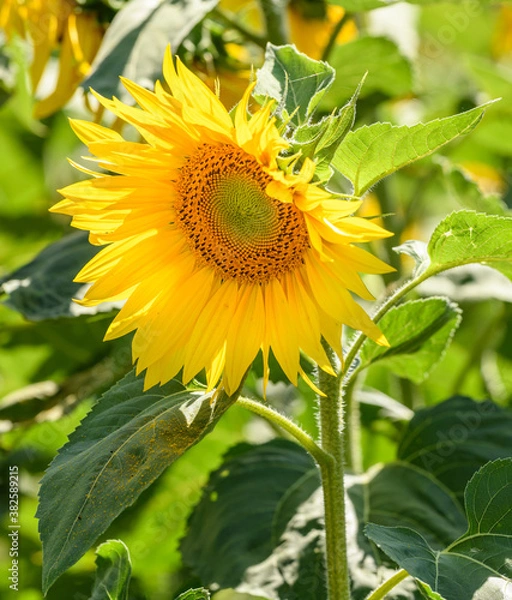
(391, 494)
(476, 565)
(372, 152)
(400, 493)
(136, 40)
(44, 288)
(389, 72)
(296, 81)
(121, 447)
(466, 237)
(113, 571)
(453, 439)
(154, 526)
(231, 527)
(260, 522)
(418, 333)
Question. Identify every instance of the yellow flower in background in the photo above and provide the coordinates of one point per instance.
(52, 25)
(310, 30)
(487, 177)
(310, 24)
(502, 40)
(228, 81)
(219, 253)
(12, 18)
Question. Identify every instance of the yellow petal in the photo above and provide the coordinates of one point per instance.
(245, 335)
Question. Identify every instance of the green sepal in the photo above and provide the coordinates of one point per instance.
(319, 141)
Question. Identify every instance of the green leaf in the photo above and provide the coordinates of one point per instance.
(477, 564)
(373, 152)
(319, 141)
(418, 332)
(260, 522)
(390, 494)
(195, 594)
(231, 527)
(113, 571)
(135, 42)
(296, 81)
(453, 439)
(400, 493)
(122, 446)
(466, 237)
(44, 288)
(389, 72)
(466, 192)
(164, 508)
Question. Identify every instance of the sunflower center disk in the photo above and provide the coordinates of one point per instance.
(231, 224)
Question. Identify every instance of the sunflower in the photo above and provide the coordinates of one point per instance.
(51, 25)
(218, 252)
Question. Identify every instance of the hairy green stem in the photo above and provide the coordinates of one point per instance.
(352, 430)
(388, 585)
(394, 223)
(289, 426)
(331, 430)
(348, 377)
(273, 11)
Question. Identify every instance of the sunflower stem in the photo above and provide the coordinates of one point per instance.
(388, 585)
(277, 418)
(334, 34)
(331, 431)
(349, 372)
(352, 429)
(275, 24)
(234, 24)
